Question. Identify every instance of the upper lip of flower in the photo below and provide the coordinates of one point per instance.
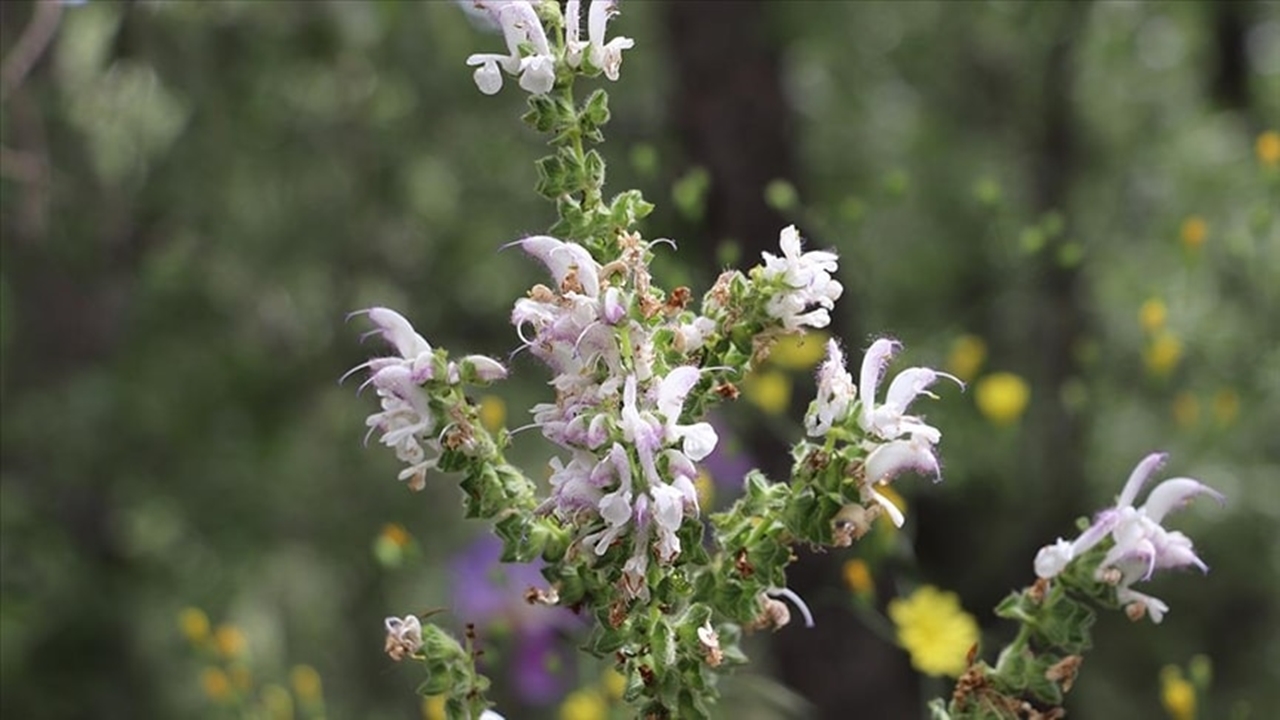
(888, 420)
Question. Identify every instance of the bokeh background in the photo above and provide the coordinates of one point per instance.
(1076, 206)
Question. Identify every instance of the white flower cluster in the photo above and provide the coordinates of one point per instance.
(407, 422)
(1142, 544)
(894, 440)
(632, 466)
(808, 292)
(530, 55)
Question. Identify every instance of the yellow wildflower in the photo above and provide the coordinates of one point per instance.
(614, 683)
(934, 630)
(1186, 409)
(1226, 406)
(493, 412)
(1002, 397)
(857, 575)
(1268, 148)
(769, 390)
(277, 702)
(968, 352)
(306, 683)
(1177, 694)
(1152, 314)
(194, 625)
(799, 351)
(584, 705)
(241, 678)
(1194, 232)
(395, 534)
(706, 489)
(1163, 354)
(215, 683)
(229, 640)
(433, 707)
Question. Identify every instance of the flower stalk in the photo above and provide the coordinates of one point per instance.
(634, 370)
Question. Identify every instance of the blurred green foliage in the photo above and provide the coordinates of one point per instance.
(195, 194)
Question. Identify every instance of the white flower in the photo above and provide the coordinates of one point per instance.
(404, 636)
(896, 442)
(605, 55)
(573, 47)
(699, 439)
(691, 335)
(889, 420)
(520, 25)
(836, 393)
(1142, 544)
(809, 292)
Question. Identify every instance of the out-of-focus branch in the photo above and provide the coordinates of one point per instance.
(30, 46)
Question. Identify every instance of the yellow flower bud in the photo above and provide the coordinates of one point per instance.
(1152, 315)
(614, 683)
(1194, 232)
(194, 625)
(306, 683)
(1268, 148)
(799, 351)
(584, 705)
(229, 641)
(1002, 397)
(857, 575)
(968, 352)
(1177, 694)
(769, 390)
(215, 683)
(1163, 354)
(493, 412)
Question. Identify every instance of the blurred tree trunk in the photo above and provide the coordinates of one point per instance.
(66, 313)
(1231, 82)
(732, 117)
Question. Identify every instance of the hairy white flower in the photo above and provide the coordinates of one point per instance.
(605, 55)
(888, 420)
(404, 636)
(808, 291)
(1141, 544)
(520, 26)
(836, 393)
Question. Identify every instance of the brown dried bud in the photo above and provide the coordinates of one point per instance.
(1064, 671)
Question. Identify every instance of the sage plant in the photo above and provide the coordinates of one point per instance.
(635, 368)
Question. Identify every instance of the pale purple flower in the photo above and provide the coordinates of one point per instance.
(1141, 544)
(405, 421)
(809, 291)
(574, 328)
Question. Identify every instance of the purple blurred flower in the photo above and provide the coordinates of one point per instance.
(729, 463)
(490, 593)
